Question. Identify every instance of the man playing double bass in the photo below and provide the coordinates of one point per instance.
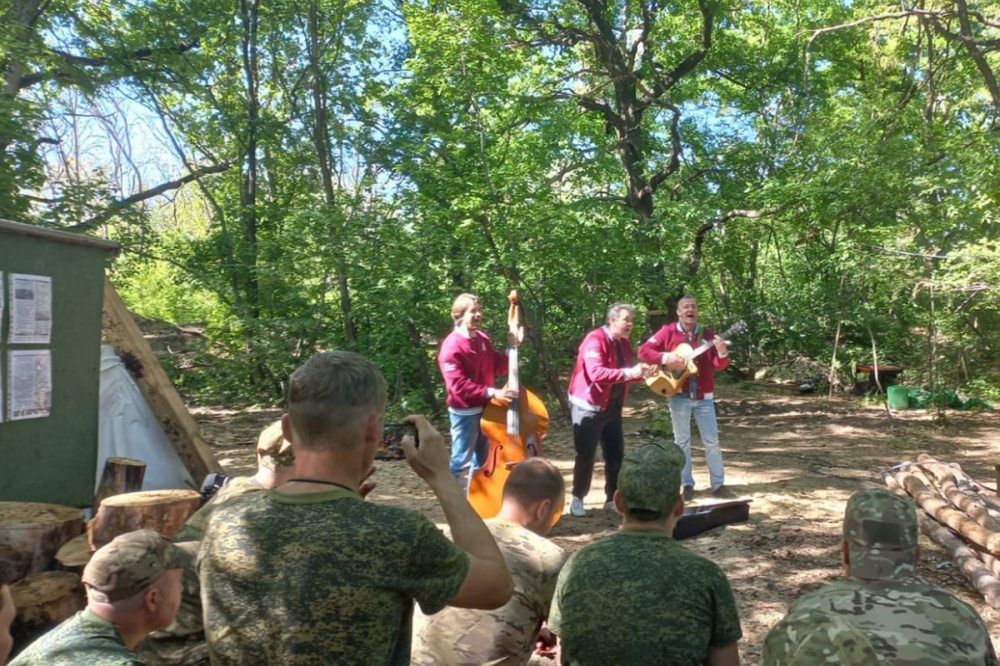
(470, 366)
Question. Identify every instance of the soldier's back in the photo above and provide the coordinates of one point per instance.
(907, 621)
(83, 640)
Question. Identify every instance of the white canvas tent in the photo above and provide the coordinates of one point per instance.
(128, 428)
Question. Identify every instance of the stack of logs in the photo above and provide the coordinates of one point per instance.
(958, 514)
(35, 538)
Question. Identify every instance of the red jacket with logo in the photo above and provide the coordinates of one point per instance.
(469, 367)
(668, 337)
(597, 369)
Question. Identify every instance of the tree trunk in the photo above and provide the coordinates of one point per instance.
(430, 396)
(47, 598)
(31, 534)
(162, 510)
(121, 475)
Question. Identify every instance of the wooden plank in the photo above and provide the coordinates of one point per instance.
(122, 333)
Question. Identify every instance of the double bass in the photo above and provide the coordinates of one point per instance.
(514, 430)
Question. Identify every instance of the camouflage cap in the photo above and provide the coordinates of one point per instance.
(650, 478)
(880, 528)
(131, 563)
(273, 450)
(809, 637)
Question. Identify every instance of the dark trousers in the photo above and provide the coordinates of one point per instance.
(589, 428)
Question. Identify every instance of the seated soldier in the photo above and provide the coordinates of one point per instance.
(308, 573)
(533, 495)
(906, 619)
(638, 596)
(183, 642)
(133, 587)
(7, 613)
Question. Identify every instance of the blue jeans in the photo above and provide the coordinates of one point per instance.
(468, 445)
(681, 409)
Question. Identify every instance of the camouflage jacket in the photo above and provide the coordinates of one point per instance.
(183, 642)
(505, 636)
(320, 578)
(640, 597)
(83, 640)
(908, 621)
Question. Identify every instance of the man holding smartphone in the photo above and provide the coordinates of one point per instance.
(470, 366)
(309, 573)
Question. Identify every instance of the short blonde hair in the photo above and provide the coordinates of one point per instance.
(462, 304)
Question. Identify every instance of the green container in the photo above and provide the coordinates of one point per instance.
(899, 397)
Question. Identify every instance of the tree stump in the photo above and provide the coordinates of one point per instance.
(74, 554)
(47, 598)
(162, 510)
(121, 475)
(31, 534)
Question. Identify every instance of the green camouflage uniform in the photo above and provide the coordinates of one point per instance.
(119, 570)
(907, 620)
(183, 642)
(83, 640)
(505, 636)
(638, 596)
(811, 637)
(320, 579)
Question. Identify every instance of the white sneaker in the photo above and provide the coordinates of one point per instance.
(610, 506)
(576, 508)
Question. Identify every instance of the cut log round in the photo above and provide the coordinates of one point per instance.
(162, 510)
(74, 554)
(47, 598)
(121, 475)
(31, 534)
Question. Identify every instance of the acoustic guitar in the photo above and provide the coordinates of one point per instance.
(668, 382)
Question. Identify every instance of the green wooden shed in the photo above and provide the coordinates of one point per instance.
(52, 286)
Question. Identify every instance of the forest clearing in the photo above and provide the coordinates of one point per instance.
(799, 458)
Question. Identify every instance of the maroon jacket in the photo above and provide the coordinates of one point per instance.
(469, 367)
(597, 369)
(671, 335)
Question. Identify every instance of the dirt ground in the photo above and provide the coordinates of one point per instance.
(798, 457)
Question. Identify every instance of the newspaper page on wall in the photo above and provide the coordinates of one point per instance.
(29, 384)
(30, 309)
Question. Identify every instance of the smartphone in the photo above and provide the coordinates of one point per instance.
(393, 434)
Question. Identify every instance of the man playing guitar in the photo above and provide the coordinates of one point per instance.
(696, 394)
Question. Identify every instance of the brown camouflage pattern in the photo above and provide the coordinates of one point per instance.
(908, 622)
(130, 564)
(505, 636)
(183, 642)
(83, 640)
(640, 597)
(273, 450)
(321, 578)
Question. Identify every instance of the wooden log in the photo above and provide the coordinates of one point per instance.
(162, 510)
(48, 598)
(74, 554)
(967, 484)
(966, 500)
(974, 570)
(941, 510)
(121, 331)
(31, 534)
(121, 475)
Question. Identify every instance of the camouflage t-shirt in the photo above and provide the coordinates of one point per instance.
(320, 578)
(83, 640)
(639, 597)
(907, 621)
(183, 642)
(505, 636)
